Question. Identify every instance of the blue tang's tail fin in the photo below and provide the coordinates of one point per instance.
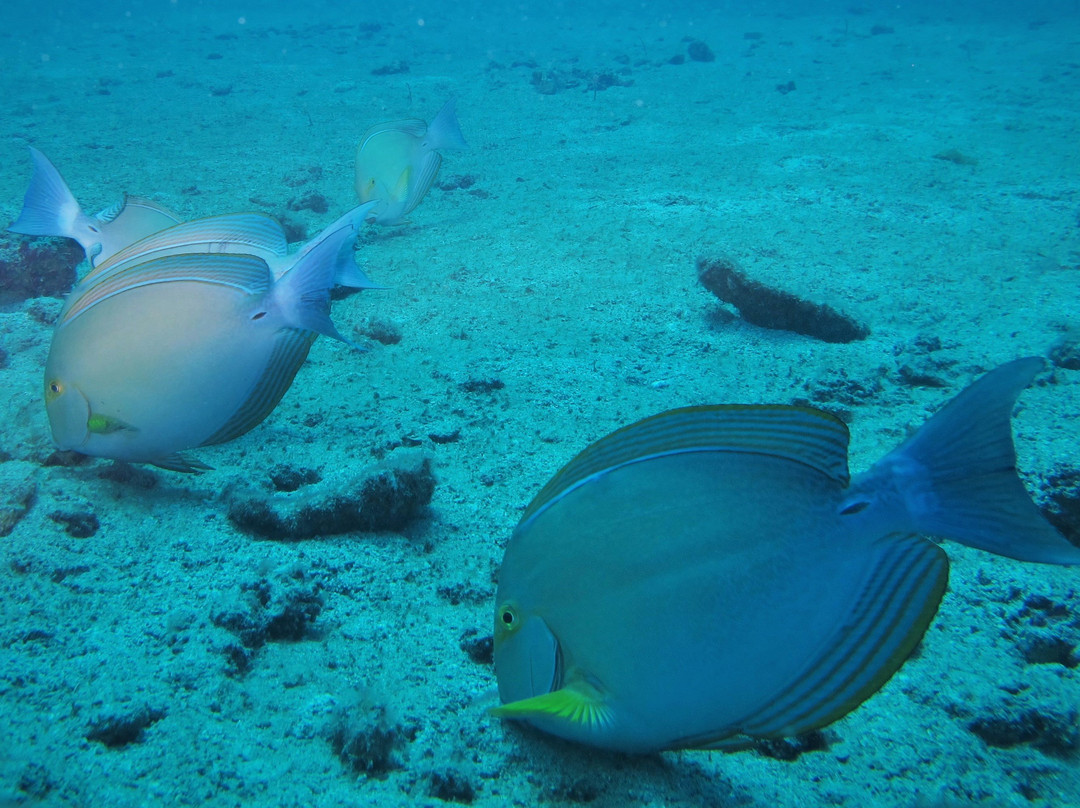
(957, 474)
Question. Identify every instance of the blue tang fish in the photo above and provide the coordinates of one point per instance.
(711, 576)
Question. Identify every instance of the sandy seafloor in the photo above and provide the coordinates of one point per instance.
(565, 272)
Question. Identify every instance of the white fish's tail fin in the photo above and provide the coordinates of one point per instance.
(444, 132)
(346, 272)
(303, 293)
(957, 473)
(49, 208)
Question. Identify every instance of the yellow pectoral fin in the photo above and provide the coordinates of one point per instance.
(579, 703)
(401, 190)
(105, 424)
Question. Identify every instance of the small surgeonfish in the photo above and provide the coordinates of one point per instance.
(50, 209)
(710, 576)
(182, 350)
(396, 162)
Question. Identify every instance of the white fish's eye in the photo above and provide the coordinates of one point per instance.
(53, 390)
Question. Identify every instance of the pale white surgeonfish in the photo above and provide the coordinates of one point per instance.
(709, 576)
(189, 349)
(396, 162)
(50, 209)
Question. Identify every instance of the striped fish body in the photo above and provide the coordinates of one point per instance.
(239, 233)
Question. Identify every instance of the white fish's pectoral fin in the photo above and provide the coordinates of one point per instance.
(401, 187)
(888, 618)
(106, 425)
(178, 462)
(579, 703)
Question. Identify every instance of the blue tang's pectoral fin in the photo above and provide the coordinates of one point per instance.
(579, 703)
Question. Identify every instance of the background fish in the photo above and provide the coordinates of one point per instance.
(50, 209)
(397, 162)
(709, 576)
(188, 350)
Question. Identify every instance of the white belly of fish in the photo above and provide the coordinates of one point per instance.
(172, 361)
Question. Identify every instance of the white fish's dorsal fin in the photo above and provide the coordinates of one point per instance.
(231, 232)
(142, 204)
(247, 273)
(124, 224)
(149, 204)
(800, 434)
(111, 212)
(888, 617)
(413, 127)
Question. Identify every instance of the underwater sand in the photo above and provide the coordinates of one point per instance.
(555, 279)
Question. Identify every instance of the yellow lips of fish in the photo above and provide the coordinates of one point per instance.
(397, 162)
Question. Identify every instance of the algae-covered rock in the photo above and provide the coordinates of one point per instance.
(773, 308)
(385, 496)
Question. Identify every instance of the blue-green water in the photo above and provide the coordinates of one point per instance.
(912, 166)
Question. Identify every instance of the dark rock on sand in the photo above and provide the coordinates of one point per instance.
(773, 308)
(386, 496)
